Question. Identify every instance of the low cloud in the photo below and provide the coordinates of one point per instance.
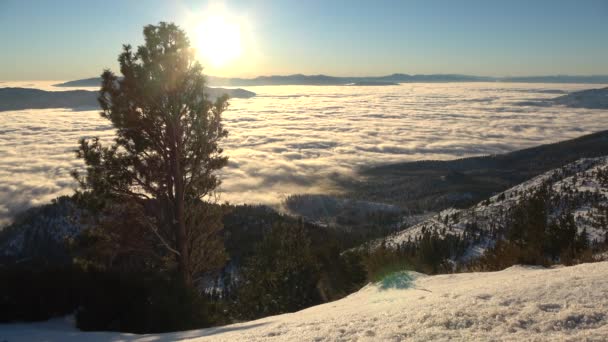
(281, 143)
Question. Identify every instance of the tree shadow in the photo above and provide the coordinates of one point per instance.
(208, 332)
(63, 330)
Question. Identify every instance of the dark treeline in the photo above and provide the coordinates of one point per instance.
(113, 280)
(260, 245)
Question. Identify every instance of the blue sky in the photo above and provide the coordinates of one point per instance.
(74, 39)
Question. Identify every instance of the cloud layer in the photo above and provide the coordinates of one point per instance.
(296, 139)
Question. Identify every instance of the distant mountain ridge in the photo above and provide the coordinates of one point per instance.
(85, 82)
(300, 79)
(28, 98)
(435, 185)
(588, 98)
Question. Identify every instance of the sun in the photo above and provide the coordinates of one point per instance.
(218, 40)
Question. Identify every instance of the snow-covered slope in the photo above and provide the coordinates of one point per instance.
(516, 304)
(581, 186)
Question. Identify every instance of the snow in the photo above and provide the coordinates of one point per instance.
(519, 303)
(574, 182)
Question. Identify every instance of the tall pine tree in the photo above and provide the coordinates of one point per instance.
(166, 152)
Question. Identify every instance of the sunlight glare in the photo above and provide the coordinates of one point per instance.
(218, 40)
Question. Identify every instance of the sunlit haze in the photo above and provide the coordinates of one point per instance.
(65, 39)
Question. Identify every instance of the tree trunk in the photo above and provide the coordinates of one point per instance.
(179, 222)
(182, 243)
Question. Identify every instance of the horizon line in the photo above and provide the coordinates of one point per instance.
(334, 76)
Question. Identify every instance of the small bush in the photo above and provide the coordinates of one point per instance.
(382, 261)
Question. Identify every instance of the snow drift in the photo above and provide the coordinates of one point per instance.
(519, 303)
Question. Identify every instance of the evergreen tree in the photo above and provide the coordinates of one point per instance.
(527, 226)
(166, 152)
(561, 236)
(281, 276)
(582, 240)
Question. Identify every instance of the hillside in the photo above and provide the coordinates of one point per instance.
(85, 82)
(591, 98)
(435, 185)
(588, 98)
(26, 98)
(519, 303)
(579, 188)
(598, 79)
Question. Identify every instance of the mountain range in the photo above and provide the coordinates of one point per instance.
(300, 79)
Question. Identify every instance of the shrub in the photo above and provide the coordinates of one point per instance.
(383, 261)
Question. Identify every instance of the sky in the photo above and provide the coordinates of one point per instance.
(63, 39)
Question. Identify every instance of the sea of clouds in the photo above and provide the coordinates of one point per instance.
(298, 139)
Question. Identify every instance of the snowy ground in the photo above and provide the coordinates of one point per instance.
(519, 303)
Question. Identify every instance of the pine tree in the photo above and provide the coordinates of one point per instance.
(282, 274)
(582, 240)
(166, 152)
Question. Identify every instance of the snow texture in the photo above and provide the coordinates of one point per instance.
(516, 304)
(578, 186)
